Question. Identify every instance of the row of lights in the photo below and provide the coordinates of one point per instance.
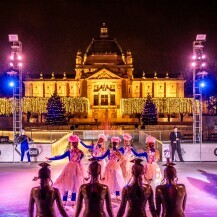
(16, 60)
(198, 59)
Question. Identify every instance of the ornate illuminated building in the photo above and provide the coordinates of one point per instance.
(104, 81)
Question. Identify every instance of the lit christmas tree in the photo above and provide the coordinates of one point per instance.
(55, 111)
(149, 112)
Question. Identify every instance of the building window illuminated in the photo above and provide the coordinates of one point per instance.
(112, 88)
(96, 100)
(112, 99)
(95, 87)
(104, 99)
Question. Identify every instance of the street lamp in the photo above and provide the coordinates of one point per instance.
(16, 70)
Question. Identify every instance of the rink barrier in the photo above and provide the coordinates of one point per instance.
(193, 152)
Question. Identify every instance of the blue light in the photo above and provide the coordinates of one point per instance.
(202, 84)
(11, 84)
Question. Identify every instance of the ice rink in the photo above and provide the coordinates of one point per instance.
(16, 182)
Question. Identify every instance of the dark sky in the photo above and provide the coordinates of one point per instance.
(159, 33)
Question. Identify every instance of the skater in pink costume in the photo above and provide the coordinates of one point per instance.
(72, 175)
(125, 163)
(113, 174)
(98, 150)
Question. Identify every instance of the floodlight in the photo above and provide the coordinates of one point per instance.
(13, 38)
(201, 37)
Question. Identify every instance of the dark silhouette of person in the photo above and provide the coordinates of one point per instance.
(94, 194)
(28, 116)
(45, 195)
(175, 138)
(171, 197)
(137, 194)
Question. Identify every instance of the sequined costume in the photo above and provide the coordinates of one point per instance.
(152, 170)
(97, 150)
(45, 207)
(113, 174)
(153, 173)
(125, 162)
(94, 196)
(72, 175)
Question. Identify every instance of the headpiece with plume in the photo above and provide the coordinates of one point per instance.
(74, 138)
(101, 135)
(127, 137)
(115, 139)
(150, 139)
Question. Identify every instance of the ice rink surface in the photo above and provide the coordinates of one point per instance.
(16, 182)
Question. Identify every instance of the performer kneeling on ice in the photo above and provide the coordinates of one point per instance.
(127, 157)
(171, 197)
(137, 194)
(98, 150)
(45, 195)
(94, 194)
(72, 176)
(113, 174)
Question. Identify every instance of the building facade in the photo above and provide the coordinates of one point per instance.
(104, 75)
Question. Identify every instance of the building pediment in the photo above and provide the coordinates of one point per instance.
(104, 74)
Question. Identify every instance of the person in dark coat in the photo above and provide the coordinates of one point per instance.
(175, 138)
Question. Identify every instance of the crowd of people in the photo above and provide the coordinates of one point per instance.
(132, 177)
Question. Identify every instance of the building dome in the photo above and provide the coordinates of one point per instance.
(104, 50)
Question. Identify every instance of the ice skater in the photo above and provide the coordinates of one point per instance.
(113, 174)
(45, 195)
(98, 150)
(127, 157)
(24, 145)
(72, 175)
(94, 194)
(170, 196)
(137, 194)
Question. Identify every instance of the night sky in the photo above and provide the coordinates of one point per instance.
(158, 33)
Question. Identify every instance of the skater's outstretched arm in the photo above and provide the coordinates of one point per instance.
(185, 199)
(121, 150)
(151, 203)
(59, 204)
(86, 146)
(158, 200)
(82, 155)
(66, 154)
(143, 154)
(108, 203)
(123, 203)
(79, 202)
(103, 156)
(31, 204)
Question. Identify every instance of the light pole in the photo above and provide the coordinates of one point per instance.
(198, 65)
(16, 66)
